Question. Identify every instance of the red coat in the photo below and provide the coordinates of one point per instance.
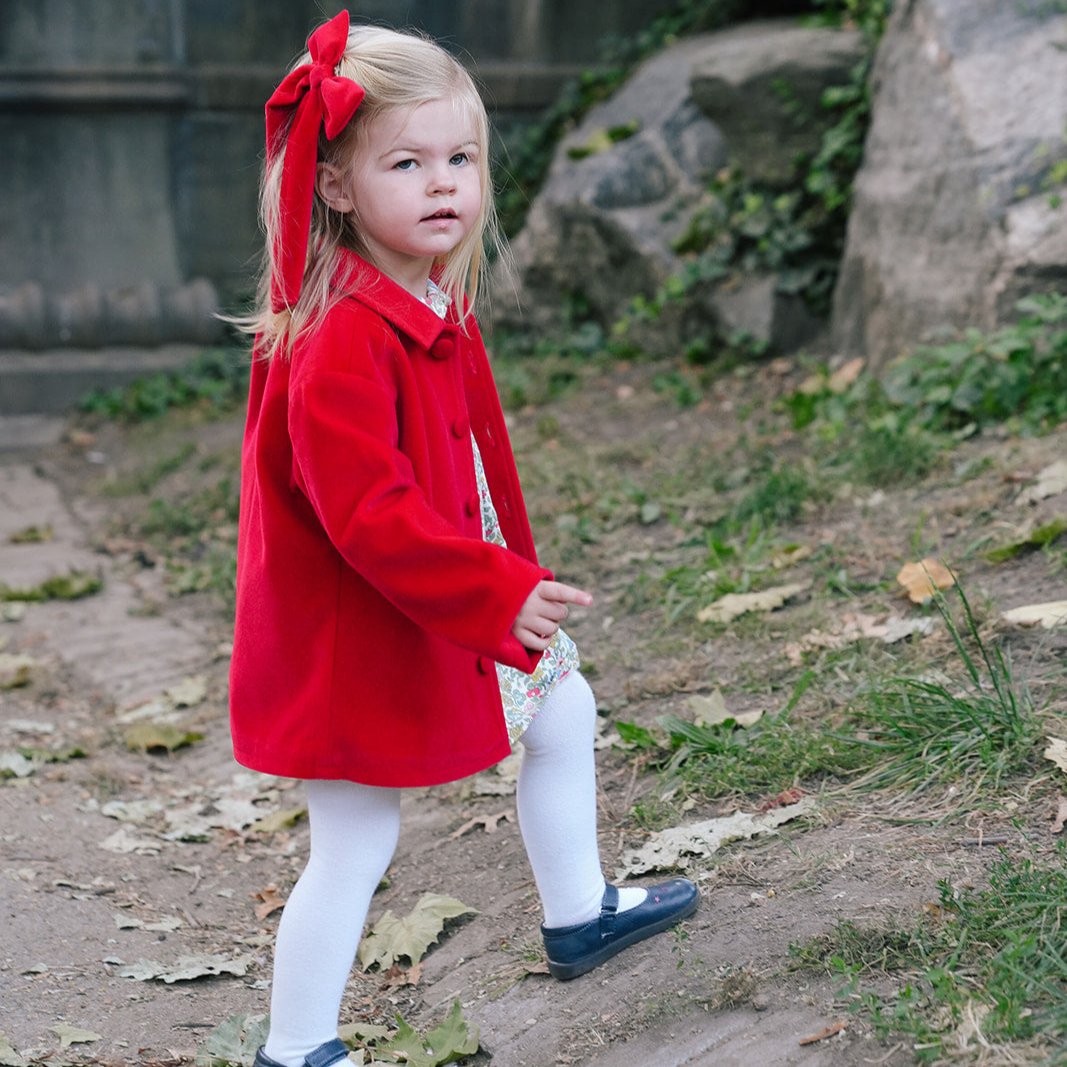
(369, 609)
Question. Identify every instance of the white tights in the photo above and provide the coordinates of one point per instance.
(354, 831)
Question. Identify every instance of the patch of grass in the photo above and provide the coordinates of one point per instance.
(216, 379)
(971, 731)
(71, 586)
(1017, 374)
(985, 968)
(774, 754)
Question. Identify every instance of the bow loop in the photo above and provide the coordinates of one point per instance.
(309, 99)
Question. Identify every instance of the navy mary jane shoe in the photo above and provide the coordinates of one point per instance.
(573, 950)
(332, 1052)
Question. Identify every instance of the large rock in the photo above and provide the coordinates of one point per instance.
(762, 85)
(601, 228)
(953, 220)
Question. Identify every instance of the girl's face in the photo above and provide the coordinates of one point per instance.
(415, 188)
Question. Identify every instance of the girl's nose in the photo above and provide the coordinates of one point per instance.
(442, 179)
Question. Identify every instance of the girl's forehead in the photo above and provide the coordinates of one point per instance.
(431, 122)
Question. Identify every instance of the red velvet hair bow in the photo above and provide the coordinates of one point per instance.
(310, 98)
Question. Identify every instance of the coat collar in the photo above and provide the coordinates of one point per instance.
(393, 302)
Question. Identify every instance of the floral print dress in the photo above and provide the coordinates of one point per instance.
(521, 694)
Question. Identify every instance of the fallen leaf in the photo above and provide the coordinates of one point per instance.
(822, 1035)
(488, 823)
(285, 819)
(734, 605)
(234, 1041)
(165, 925)
(15, 671)
(392, 938)
(790, 555)
(1060, 818)
(784, 798)
(1029, 537)
(32, 535)
(16, 765)
(921, 580)
(397, 977)
(136, 811)
(1052, 613)
(1057, 752)
(845, 375)
(187, 968)
(1050, 482)
(270, 899)
(159, 737)
(711, 710)
(124, 843)
(8, 1056)
(451, 1041)
(187, 693)
(71, 1035)
(676, 846)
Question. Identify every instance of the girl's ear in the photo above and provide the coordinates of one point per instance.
(332, 189)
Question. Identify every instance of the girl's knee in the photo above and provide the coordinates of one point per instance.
(567, 718)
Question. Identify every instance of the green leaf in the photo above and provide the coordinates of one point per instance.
(391, 938)
(451, 1041)
(233, 1043)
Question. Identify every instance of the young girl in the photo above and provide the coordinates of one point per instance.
(394, 627)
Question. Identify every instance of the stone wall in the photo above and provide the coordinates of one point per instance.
(132, 131)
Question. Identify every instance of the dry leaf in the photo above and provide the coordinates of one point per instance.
(734, 605)
(270, 899)
(711, 710)
(187, 968)
(71, 1035)
(398, 976)
(1060, 817)
(921, 580)
(487, 822)
(678, 845)
(822, 1035)
(845, 375)
(391, 938)
(15, 671)
(1051, 613)
(1057, 752)
(1050, 482)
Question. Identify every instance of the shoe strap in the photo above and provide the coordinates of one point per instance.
(608, 907)
(332, 1052)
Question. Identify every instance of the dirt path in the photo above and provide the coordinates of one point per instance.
(124, 856)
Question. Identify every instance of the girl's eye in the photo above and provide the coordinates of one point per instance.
(459, 159)
(405, 164)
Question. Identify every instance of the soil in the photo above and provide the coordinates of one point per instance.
(93, 883)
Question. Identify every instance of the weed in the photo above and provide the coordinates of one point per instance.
(985, 965)
(969, 732)
(218, 378)
(768, 757)
(71, 586)
(1017, 373)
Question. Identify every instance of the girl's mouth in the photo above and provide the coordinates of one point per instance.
(444, 213)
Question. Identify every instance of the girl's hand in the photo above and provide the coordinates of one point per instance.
(544, 610)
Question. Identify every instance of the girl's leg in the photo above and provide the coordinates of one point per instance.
(557, 807)
(354, 830)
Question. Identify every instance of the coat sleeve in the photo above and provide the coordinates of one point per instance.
(343, 425)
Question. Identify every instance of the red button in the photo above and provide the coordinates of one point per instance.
(472, 507)
(485, 664)
(461, 427)
(443, 348)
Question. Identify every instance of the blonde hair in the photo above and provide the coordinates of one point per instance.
(395, 70)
